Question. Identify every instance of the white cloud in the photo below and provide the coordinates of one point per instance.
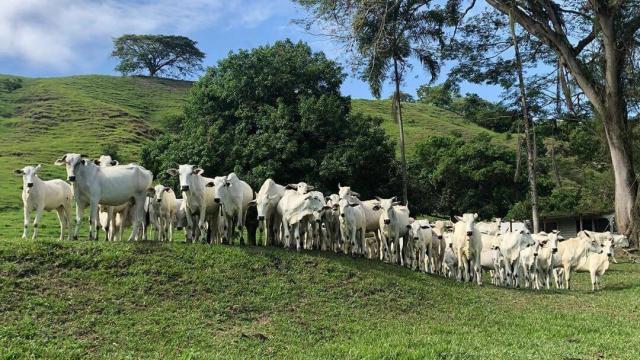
(61, 34)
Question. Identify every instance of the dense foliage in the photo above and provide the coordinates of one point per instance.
(168, 55)
(451, 175)
(276, 111)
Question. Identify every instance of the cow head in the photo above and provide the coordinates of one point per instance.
(187, 175)
(72, 162)
(344, 191)
(28, 173)
(221, 185)
(157, 192)
(301, 187)
(417, 229)
(469, 221)
(553, 238)
(106, 161)
(386, 205)
(591, 242)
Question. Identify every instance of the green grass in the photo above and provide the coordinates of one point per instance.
(422, 120)
(148, 300)
(48, 117)
(62, 299)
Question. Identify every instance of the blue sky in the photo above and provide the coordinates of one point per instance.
(41, 38)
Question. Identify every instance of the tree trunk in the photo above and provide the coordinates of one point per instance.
(398, 114)
(528, 131)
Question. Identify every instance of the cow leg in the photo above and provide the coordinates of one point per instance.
(26, 221)
(93, 220)
(477, 266)
(79, 213)
(567, 277)
(61, 220)
(594, 281)
(400, 252)
(138, 215)
(36, 222)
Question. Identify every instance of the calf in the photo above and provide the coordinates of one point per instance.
(393, 228)
(163, 201)
(449, 258)
(352, 227)
(235, 196)
(39, 195)
(547, 257)
(115, 185)
(331, 221)
(295, 209)
(597, 264)
(467, 245)
(266, 203)
(528, 259)
(420, 249)
(511, 243)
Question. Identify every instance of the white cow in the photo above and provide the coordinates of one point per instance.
(573, 253)
(449, 258)
(597, 264)
(163, 201)
(295, 209)
(106, 161)
(199, 202)
(421, 249)
(301, 187)
(467, 245)
(107, 214)
(511, 243)
(547, 257)
(39, 195)
(489, 228)
(528, 260)
(235, 196)
(438, 229)
(372, 212)
(491, 259)
(331, 221)
(393, 228)
(352, 227)
(115, 185)
(266, 203)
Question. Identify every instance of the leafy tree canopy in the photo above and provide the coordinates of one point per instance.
(276, 111)
(168, 55)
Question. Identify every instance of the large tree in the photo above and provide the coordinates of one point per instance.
(276, 112)
(595, 41)
(384, 36)
(168, 55)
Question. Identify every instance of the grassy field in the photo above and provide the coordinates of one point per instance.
(51, 116)
(150, 300)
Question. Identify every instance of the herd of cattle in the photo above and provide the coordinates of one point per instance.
(215, 210)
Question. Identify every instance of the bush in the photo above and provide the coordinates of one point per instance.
(11, 84)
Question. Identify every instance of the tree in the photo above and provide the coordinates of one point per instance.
(385, 35)
(168, 55)
(277, 112)
(442, 95)
(11, 84)
(528, 130)
(607, 29)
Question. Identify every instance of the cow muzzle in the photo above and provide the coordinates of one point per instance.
(387, 221)
(439, 237)
(184, 188)
(469, 233)
(415, 238)
(341, 215)
(30, 185)
(535, 254)
(261, 218)
(554, 250)
(72, 178)
(217, 200)
(158, 200)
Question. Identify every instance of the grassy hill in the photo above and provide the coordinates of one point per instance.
(150, 300)
(48, 117)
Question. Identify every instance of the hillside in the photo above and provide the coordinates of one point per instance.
(51, 116)
(150, 300)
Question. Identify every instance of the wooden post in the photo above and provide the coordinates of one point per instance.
(581, 226)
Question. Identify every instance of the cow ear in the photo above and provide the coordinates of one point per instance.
(18, 172)
(60, 161)
(97, 162)
(172, 172)
(309, 187)
(326, 207)
(475, 216)
(151, 191)
(198, 171)
(355, 194)
(458, 218)
(378, 198)
(291, 187)
(167, 189)
(37, 168)
(210, 184)
(114, 162)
